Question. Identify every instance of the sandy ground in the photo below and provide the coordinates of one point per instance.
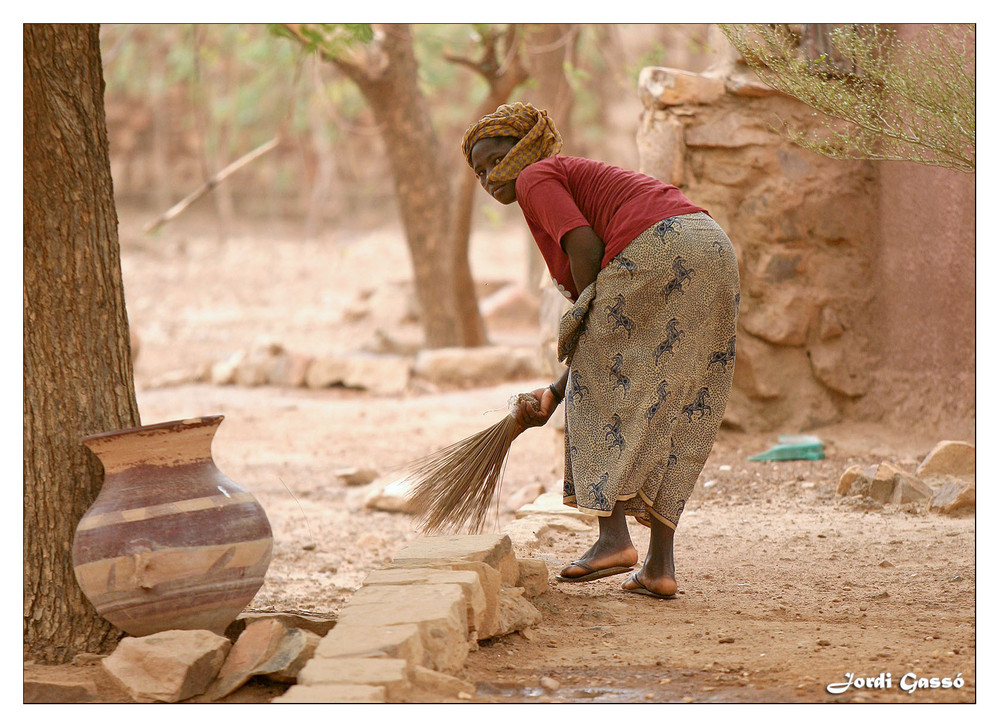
(786, 586)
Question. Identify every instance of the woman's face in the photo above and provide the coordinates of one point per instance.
(486, 154)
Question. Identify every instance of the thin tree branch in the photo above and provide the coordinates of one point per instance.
(210, 184)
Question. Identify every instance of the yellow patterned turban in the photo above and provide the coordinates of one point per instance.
(537, 135)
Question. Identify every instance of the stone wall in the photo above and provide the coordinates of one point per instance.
(804, 228)
(857, 277)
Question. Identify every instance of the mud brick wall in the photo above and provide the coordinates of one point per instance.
(839, 318)
(804, 229)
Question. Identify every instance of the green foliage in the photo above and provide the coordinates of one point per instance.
(882, 98)
(328, 37)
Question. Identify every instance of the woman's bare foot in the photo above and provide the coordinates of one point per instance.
(601, 559)
(612, 554)
(663, 586)
(656, 578)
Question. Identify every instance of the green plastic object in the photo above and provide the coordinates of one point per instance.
(793, 447)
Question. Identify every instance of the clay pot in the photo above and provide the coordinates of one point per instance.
(170, 542)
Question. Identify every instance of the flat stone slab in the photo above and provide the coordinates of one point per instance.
(316, 624)
(438, 610)
(400, 641)
(527, 532)
(386, 672)
(60, 690)
(550, 504)
(475, 596)
(333, 693)
(494, 549)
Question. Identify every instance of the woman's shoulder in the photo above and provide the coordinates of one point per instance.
(557, 166)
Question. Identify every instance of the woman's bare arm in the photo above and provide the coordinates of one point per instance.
(585, 251)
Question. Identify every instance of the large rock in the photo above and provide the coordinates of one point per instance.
(391, 494)
(954, 499)
(511, 306)
(479, 366)
(949, 458)
(891, 484)
(168, 666)
(266, 647)
(224, 372)
(376, 373)
(856, 480)
(288, 369)
(663, 87)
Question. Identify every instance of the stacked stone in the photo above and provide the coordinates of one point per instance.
(802, 227)
(411, 625)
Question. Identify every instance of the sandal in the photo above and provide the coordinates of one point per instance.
(640, 589)
(591, 574)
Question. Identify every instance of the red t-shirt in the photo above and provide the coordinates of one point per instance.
(559, 194)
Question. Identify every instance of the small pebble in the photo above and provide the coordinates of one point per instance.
(727, 640)
(886, 565)
(464, 696)
(309, 547)
(550, 684)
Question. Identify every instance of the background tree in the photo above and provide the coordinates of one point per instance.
(888, 100)
(77, 363)
(385, 71)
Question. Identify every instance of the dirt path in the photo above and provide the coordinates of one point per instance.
(786, 587)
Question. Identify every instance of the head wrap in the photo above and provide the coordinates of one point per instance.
(537, 138)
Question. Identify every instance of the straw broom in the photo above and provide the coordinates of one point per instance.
(455, 487)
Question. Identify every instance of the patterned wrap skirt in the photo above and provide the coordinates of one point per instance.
(651, 347)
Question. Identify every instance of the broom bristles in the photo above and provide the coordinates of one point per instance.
(454, 487)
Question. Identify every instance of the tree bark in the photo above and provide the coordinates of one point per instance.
(77, 364)
(503, 75)
(389, 83)
(549, 49)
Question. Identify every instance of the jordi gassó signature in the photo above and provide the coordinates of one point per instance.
(908, 683)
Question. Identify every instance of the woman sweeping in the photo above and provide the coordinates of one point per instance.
(649, 343)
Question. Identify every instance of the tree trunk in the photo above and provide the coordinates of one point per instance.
(502, 81)
(549, 50)
(391, 87)
(77, 365)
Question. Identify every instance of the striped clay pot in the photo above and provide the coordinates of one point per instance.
(170, 542)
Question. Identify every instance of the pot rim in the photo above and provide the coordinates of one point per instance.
(186, 424)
